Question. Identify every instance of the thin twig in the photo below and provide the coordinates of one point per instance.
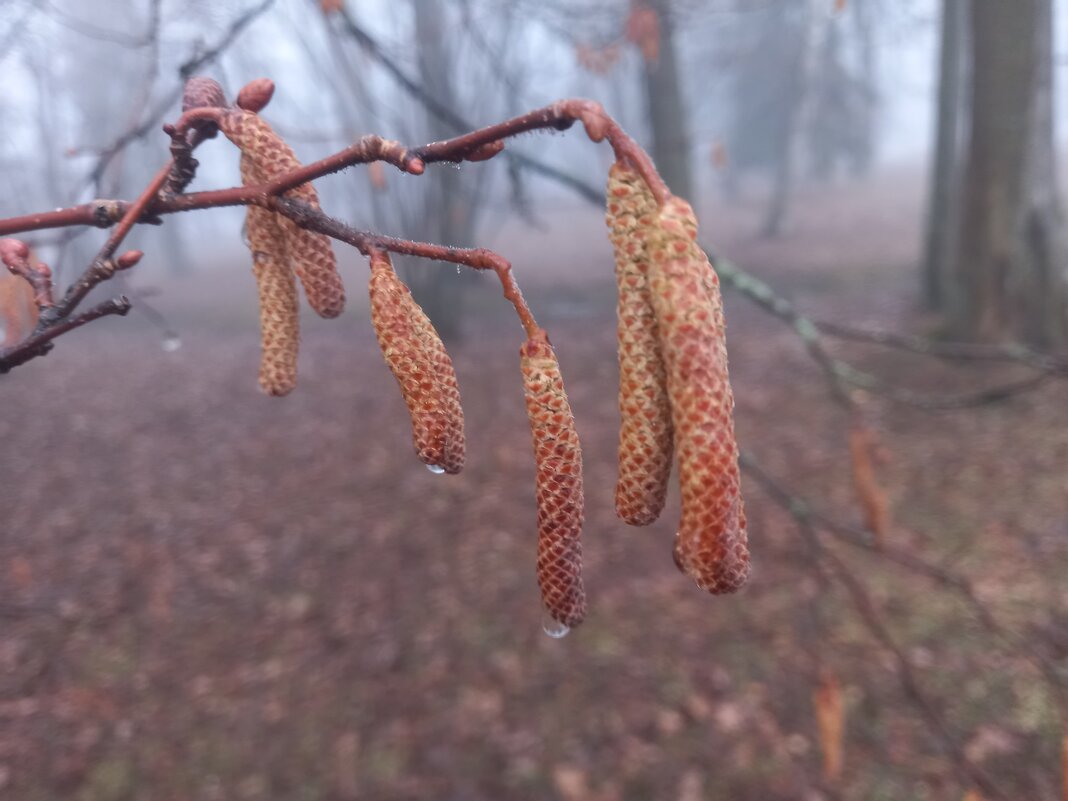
(951, 351)
(805, 513)
(40, 342)
(476, 146)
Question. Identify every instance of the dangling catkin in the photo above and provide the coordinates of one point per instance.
(417, 358)
(558, 458)
(311, 253)
(645, 432)
(710, 545)
(279, 313)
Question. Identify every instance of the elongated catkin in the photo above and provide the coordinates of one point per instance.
(417, 358)
(645, 432)
(710, 545)
(311, 253)
(558, 457)
(279, 313)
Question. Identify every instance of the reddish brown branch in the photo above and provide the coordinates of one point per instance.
(196, 123)
(559, 116)
(96, 213)
(40, 342)
(365, 242)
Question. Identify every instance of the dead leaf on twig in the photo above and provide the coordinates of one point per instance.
(18, 312)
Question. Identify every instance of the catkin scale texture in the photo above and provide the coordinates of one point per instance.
(417, 358)
(710, 545)
(279, 313)
(645, 433)
(558, 459)
(310, 252)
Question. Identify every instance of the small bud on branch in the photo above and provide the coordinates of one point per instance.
(255, 95)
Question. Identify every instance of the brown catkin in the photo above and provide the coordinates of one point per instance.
(417, 358)
(558, 458)
(279, 313)
(310, 252)
(202, 92)
(645, 432)
(710, 545)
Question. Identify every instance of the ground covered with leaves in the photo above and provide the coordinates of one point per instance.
(206, 593)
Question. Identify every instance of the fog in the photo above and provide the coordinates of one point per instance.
(211, 592)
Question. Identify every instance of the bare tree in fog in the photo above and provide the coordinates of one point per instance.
(944, 191)
(450, 201)
(844, 614)
(1008, 280)
(667, 108)
(446, 207)
(802, 93)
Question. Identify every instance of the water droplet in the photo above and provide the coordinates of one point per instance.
(436, 469)
(172, 343)
(553, 627)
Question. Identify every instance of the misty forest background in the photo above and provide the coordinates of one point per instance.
(207, 593)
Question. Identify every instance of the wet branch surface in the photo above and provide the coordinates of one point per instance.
(155, 202)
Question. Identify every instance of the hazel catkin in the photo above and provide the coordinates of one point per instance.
(558, 458)
(279, 313)
(710, 545)
(311, 254)
(418, 360)
(645, 432)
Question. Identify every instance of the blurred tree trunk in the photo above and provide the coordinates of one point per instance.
(668, 115)
(1011, 250)
(797, 99)
(944, 192)
(448, 218)
(864, 25)
(1041, 293)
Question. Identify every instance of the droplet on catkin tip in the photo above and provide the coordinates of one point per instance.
(553, 627)
(171, 344)
(436, 469)
(676, 554)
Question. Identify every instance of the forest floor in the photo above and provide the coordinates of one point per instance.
(206, 593)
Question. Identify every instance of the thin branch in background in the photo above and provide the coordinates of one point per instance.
(10, 41)
(805, 513)
(447, 115)
(868, 613)
(91, 31)
(950, 351)
(840, 375)
(189, 68)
